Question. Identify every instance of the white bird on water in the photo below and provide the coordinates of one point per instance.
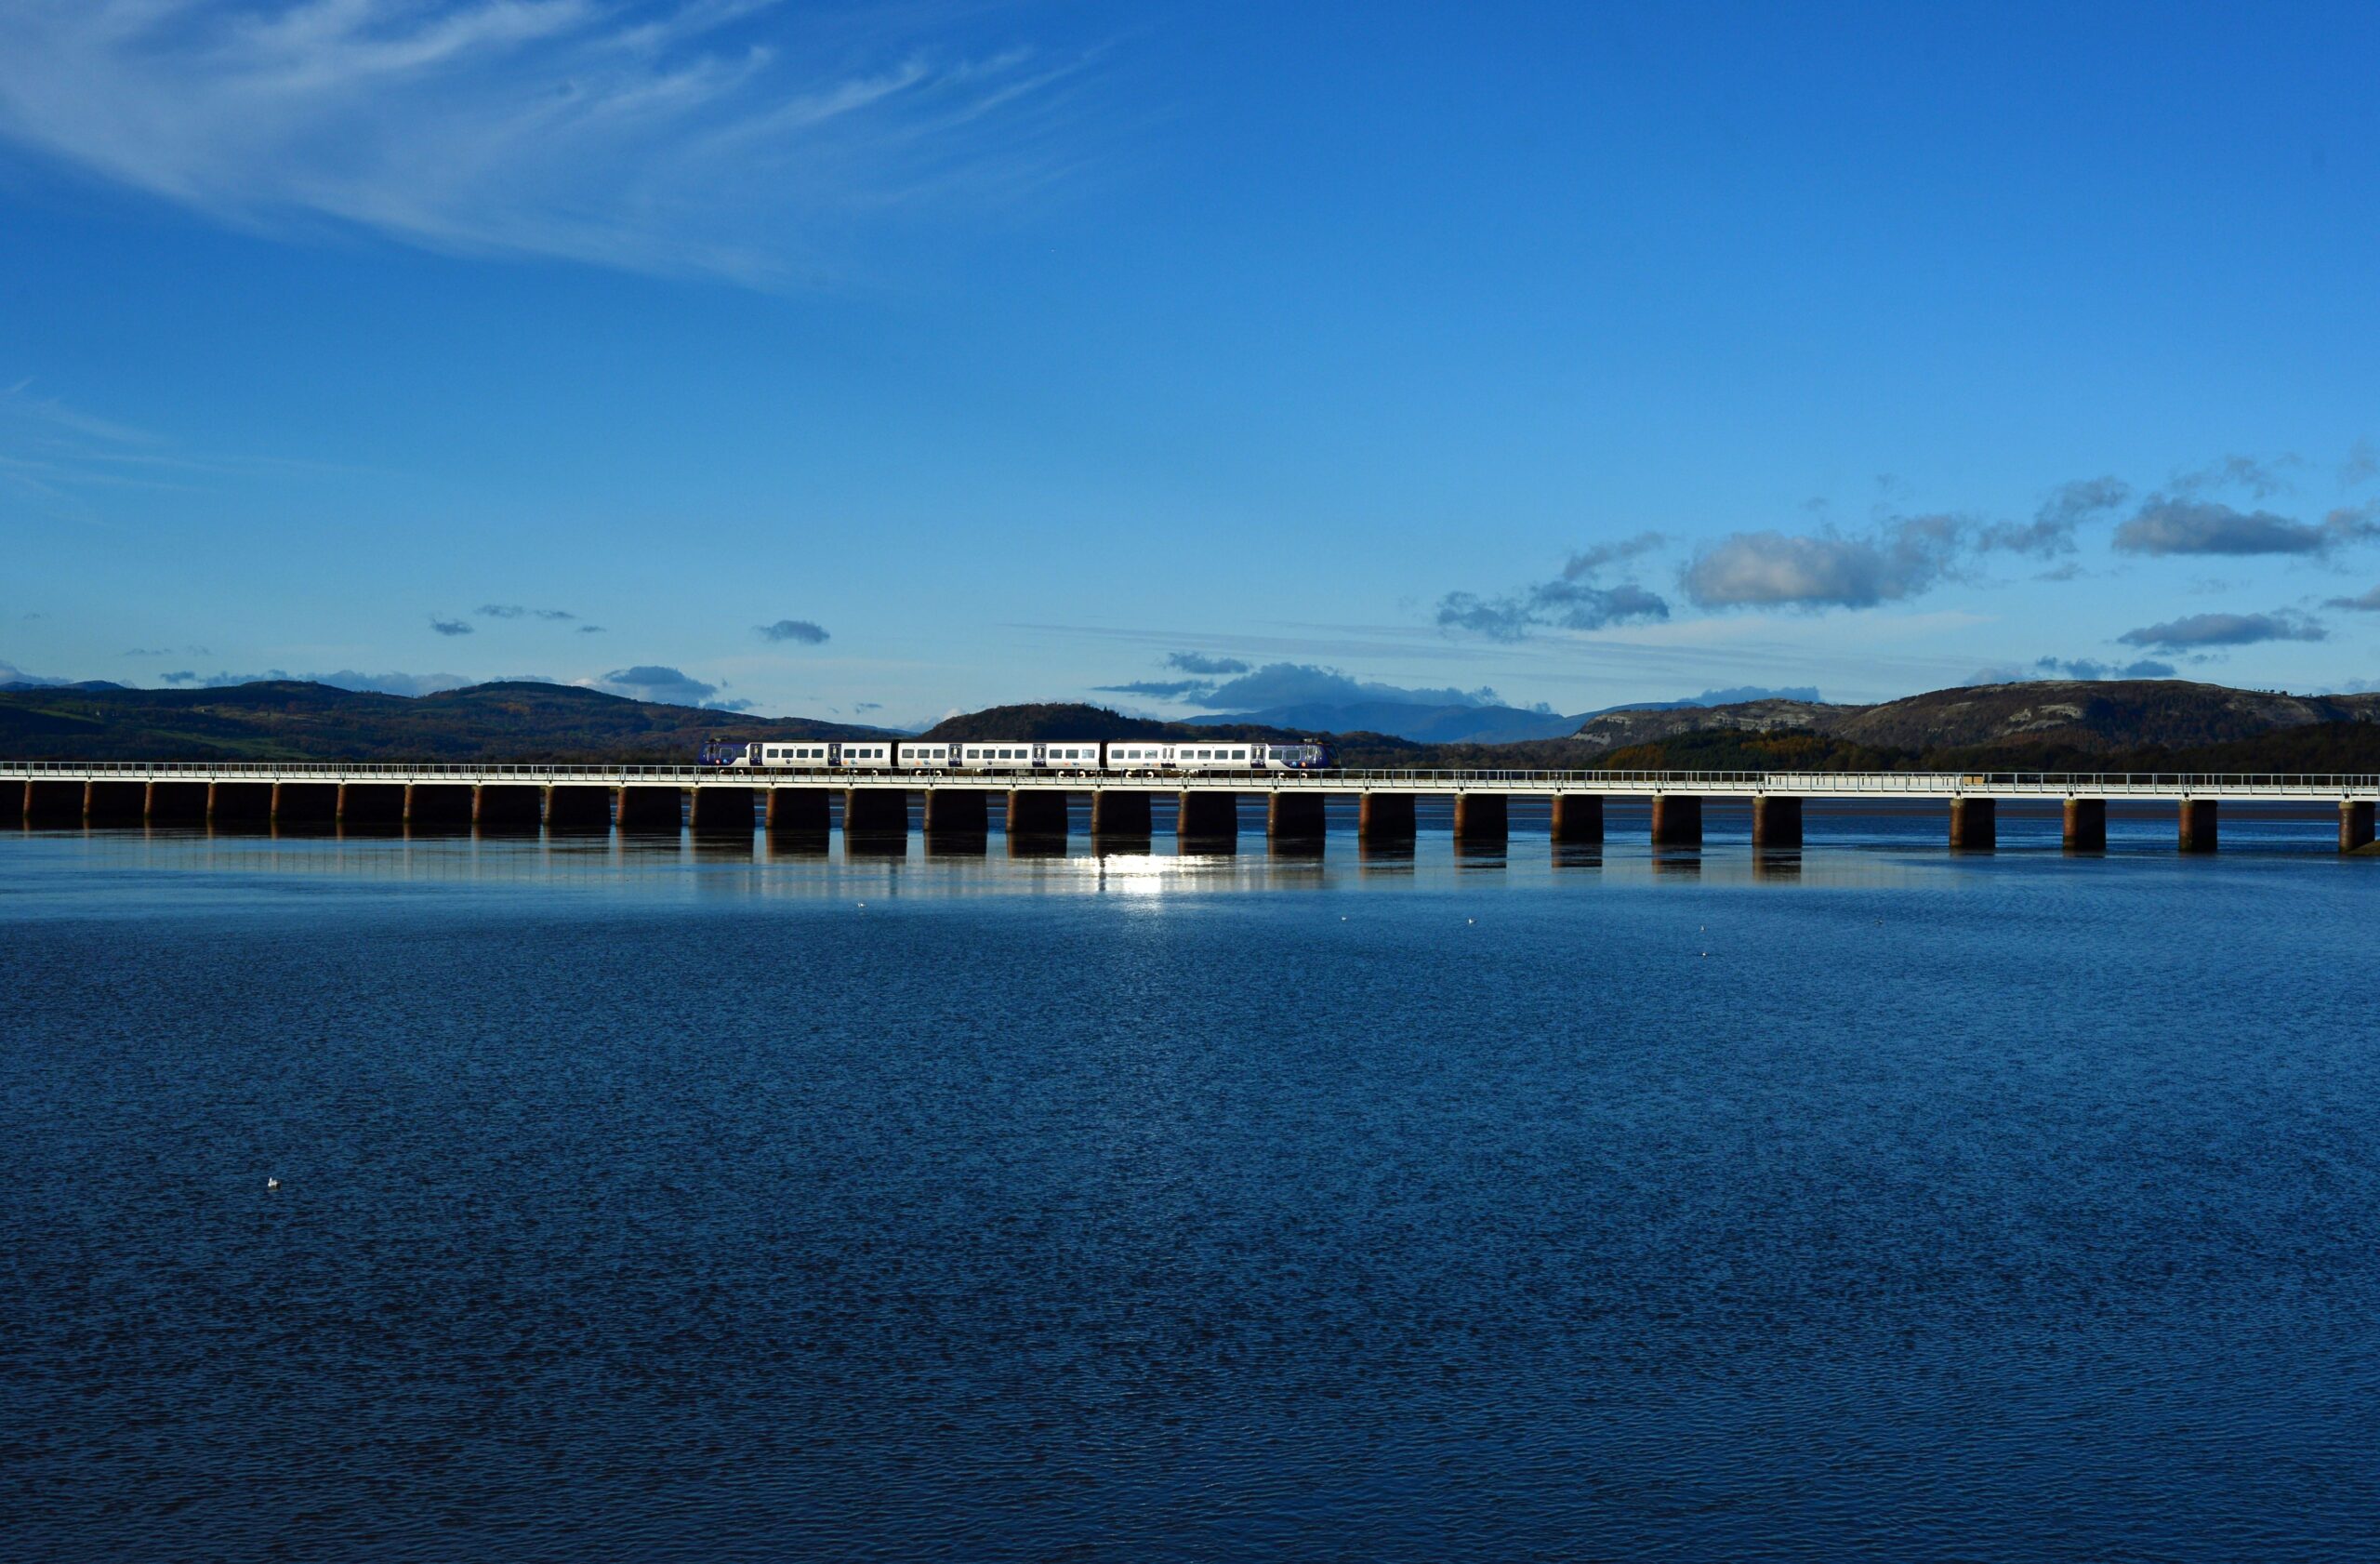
(271, 1183)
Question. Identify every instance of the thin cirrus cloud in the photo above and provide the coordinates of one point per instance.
(699, 136)
(452, 627)
(2197, 631)
(515, 611)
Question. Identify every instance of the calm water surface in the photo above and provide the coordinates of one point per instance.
(711, 1202)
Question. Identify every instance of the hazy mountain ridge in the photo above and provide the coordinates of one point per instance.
(1423, 725)
(1424, 722)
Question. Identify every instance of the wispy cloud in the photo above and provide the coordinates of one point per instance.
(2261, 477)
(515, 611)
(1202, 663)
(2197, 630)
(1826, 570)
(801, 631)
(668, 686)
(62, 456)
(2173, 525)
(1279, 685)
(52, 451)
(716, 137)
(2052, 529)
(1575, 599)
(2091, 668)
(344, 679)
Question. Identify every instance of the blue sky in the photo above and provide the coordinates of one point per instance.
(882, 361)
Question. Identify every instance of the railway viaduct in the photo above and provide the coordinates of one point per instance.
(1034, 803)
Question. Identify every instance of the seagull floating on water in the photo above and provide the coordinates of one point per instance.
(271, 1183)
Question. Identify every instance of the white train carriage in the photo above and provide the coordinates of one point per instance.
(916, 755)
(1214, 757)
(1016, 754)
(815, 754)
(1247, 755)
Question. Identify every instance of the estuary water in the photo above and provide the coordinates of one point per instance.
(683, 1201)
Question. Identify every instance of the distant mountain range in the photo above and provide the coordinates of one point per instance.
(285, 720)
(2071, 717)
(2142, 724)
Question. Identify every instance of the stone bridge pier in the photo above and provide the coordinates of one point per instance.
(1678, 820)
(1578, 817)
(1481, 818)
(805, 811)
(1975, 825)
(1384, 817)
(1776, 821)
(722, 811)
(875, 811)
(2198, 826)
(2355, 824)
(1120, 811)
(1210, 819)
(1296, 818)
(2085, 826)
(957, 812)
(1037, 812)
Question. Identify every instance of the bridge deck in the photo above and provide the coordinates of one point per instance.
(2168, 786)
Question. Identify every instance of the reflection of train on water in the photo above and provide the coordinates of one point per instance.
(1130, 757)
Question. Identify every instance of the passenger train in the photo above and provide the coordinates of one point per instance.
(1130, 757)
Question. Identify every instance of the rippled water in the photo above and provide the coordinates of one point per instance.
(666, 1201)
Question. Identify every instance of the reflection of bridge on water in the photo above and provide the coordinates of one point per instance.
(958, 804)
